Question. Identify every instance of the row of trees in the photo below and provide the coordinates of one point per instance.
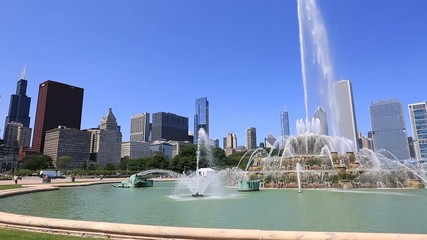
(185, 161)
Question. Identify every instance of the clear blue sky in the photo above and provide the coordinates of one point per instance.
(160, 55)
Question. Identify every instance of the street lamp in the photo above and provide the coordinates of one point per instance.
(87, 166)
(14, 165)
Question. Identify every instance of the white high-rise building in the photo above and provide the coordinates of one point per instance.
(321, 115)
(418, 116)
(140, 127)
(347, 126)
(106, 140)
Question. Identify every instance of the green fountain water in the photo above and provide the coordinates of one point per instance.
(393, 211)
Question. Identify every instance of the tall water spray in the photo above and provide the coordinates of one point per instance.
(198, 182)
(298, 168)
(316, 64)
(203, 145)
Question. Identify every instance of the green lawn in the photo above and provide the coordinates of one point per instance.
(12, 234)
(10, 186)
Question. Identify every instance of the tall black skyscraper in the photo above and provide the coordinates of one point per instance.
(19, 107)
(169, 126)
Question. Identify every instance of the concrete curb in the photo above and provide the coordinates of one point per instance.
(134, 231)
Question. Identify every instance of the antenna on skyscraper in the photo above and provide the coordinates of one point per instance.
(24, 72)
(286, 108)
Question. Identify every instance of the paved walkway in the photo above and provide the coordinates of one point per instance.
(38, 180)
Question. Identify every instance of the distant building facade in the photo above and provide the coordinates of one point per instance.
(140, 127)
(17, 135)
(411, 148)
(418, 117)
(231, 144)
(8, 157)
(201, 118)
(321, 115)
(106, 141)
(284, 123)
(71, 142)
(388, 128)
(19, 107)
(58, 104)
(169, 126)
(271, 142)
(135, 150)
(347, 115)
(251, 138)
(367, 142)
(161, 147)
(214, 142)
(177, 146)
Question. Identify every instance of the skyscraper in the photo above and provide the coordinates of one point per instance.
(17, 135)
(284, 123)
(106, 141)
(19, 107)
(347, 126)
(321, 115)
(140, 127)
(58, 104)
(418, 117)
(169, 126)
(201, 118)
(251, 138)
(271, 141)
(231, 144)
(388, 128)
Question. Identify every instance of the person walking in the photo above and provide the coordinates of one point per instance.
(15, 178)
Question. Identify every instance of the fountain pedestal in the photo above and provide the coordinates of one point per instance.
(415, 183)
(248, 185)
(343, 181)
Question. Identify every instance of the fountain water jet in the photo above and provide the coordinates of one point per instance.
(298, 169)
(198, 181)
(314, 49)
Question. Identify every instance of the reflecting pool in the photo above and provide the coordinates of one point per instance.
(373, 210)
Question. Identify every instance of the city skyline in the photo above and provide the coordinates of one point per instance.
(253, 48)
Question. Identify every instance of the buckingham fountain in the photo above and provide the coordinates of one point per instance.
(310, 159)
(363, 194)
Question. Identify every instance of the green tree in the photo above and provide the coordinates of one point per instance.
(185, 160)
(92, 166)
(63, 162)
(84, 166)
(110, 166)
(158, 161)
(37, 162)
(233, 159)
(219, 158)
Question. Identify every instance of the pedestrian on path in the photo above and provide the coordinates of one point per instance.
(15, 178)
